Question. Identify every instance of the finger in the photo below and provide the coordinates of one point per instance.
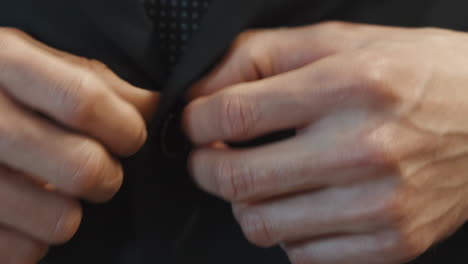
(16, 248)
(28, 208)
(260, 54)
(72, 94)
(359, 208)
(249, 110)
(379, 248)
(145, 101)
(287, 101)
(323, 156)
(72, 163)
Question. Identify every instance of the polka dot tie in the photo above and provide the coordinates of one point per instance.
(175, 21)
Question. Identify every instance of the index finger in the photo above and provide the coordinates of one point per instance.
(286, 101)
(72, 94)
(296, 165)
(259, 54)
(144, 101)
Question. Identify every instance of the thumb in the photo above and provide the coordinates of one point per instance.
(146, 102)
(258, 54)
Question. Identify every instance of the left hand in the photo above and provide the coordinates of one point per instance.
(377, 172)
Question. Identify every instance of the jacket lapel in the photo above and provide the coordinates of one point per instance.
(125, 24)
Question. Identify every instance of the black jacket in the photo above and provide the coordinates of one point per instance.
(159, 216)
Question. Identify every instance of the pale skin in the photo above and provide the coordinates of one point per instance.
(64, 123)
(375, 174)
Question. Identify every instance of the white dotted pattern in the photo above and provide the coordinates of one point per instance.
(176, 21)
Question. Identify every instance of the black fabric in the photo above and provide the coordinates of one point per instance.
(159, 216)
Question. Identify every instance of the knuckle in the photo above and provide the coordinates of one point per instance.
(246, 37)
(391, 143)
(257, 228)
(39, 252)
(375, 148)
(373, 73)
(410, 248)
(335, 26)
(94, 65)
(134, 144)
(234, 181)
(436, 36)
(239, 115)
(78, 98)
(11, 31)
(386, 211)
(12, 42)
(399, 244)
(87, 64)
(137, 139)
(32, 252)
(386, 243)
(257, 58)
(300, 255)
(66, 224)
(10, 36)
(391, 213)
(88, 169)
(8, 135)
(407, 244)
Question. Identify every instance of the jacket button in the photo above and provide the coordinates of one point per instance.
(173, 142)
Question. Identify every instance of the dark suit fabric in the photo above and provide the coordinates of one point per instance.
(159, 216)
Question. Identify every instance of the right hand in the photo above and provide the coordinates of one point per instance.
(63, 121)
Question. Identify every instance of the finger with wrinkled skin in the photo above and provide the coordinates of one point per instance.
(17, 248)
(73, 164)
(71, 93)
(291, 100)
(259, 54)
(371, 248)
(30, 209)
(292, 165)
(351, 209)
(144, 100)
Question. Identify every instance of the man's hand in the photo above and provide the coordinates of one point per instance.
(377, 172)
(63, 120)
